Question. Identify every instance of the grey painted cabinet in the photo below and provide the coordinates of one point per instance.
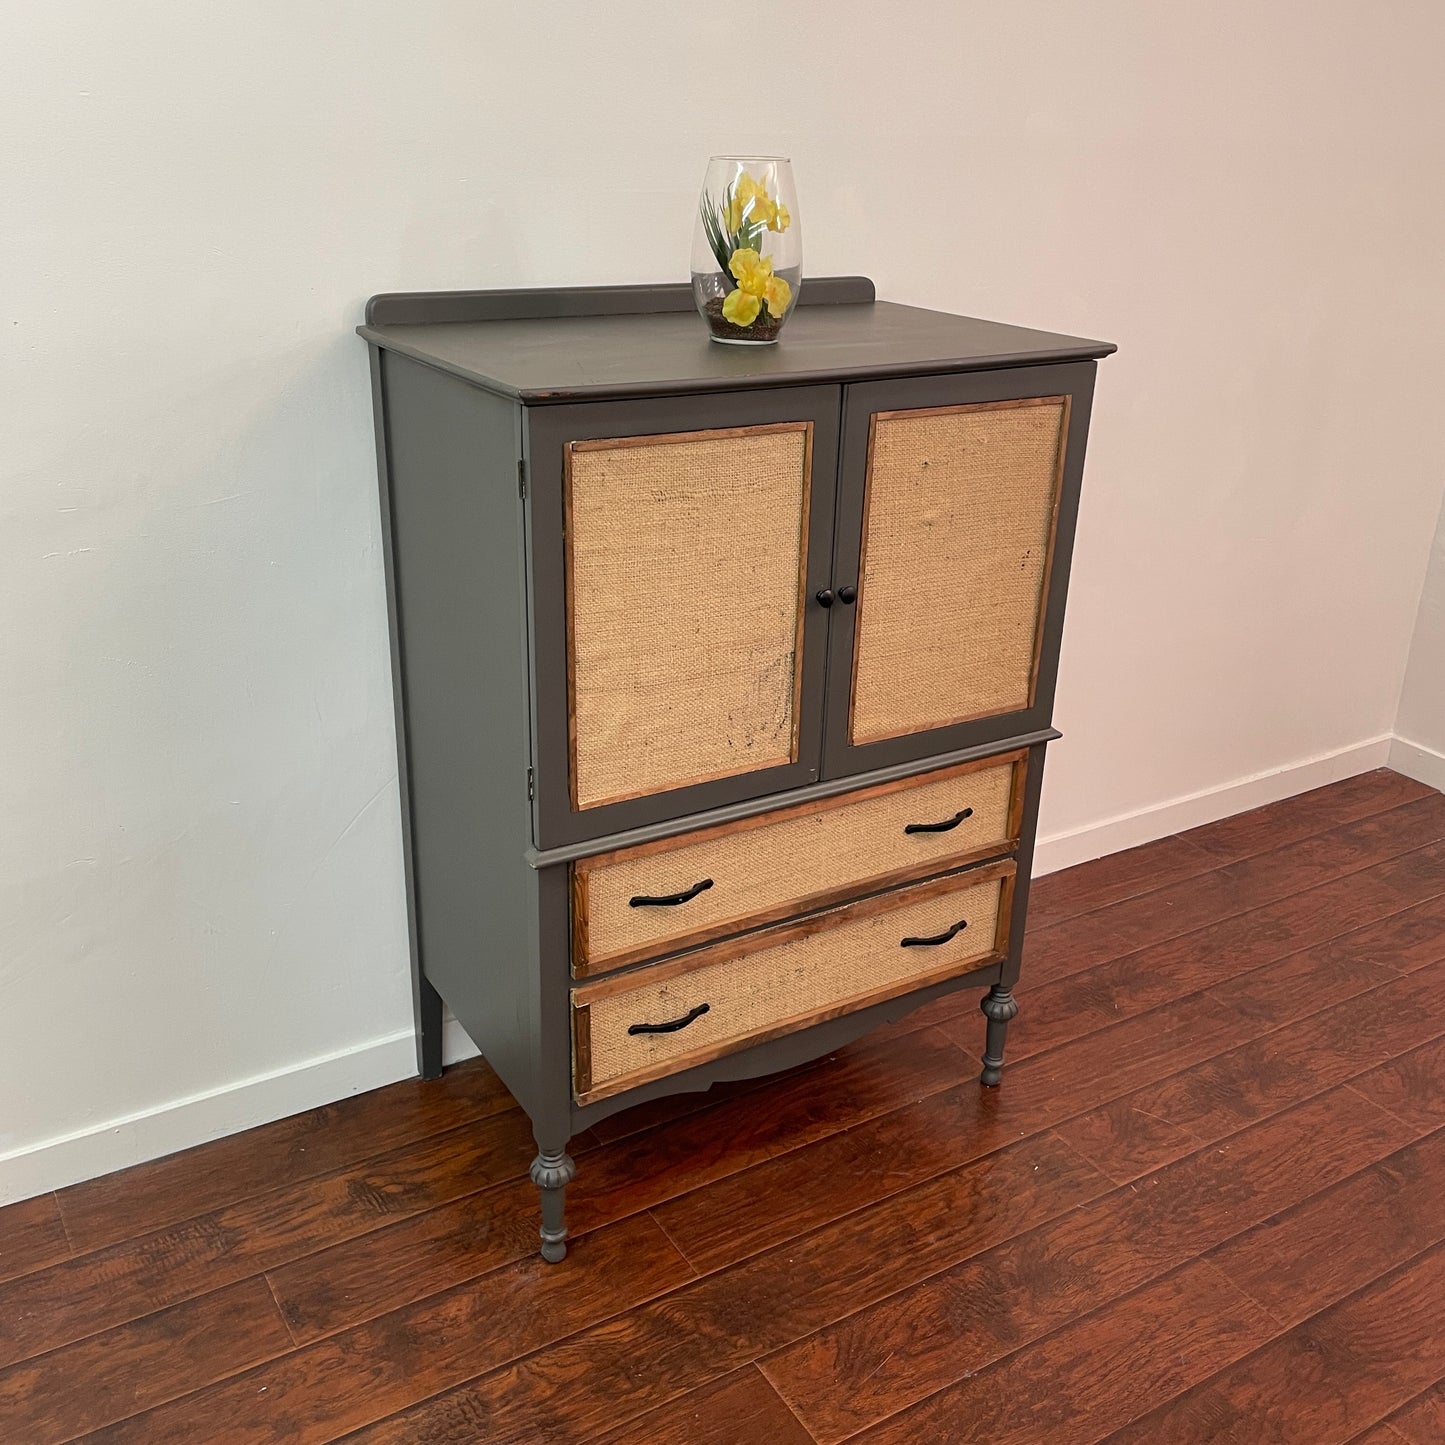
(723, 676)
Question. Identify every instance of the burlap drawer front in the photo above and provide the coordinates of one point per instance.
(783, 863)
(685, 574)
(958, 532)
(784, 979)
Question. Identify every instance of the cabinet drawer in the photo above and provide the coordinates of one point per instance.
(639, 902)
(636, 1027)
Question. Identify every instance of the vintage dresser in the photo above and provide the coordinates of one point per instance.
(723, 675)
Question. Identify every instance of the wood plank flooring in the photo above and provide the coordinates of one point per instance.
(1207, 1204)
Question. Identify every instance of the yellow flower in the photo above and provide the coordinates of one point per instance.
(741, 309)
(780, 220)
(779, 295)
(753, 271)
(750, 201)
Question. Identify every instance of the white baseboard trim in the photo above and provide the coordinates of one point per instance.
(149, 1134)
(1129, 830)
(1417, 761)
(183, 1123)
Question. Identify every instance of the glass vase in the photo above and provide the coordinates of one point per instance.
(747, 249)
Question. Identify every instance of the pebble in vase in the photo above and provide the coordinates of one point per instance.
(747, 250)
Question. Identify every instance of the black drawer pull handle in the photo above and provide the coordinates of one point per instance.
(668, 900)
(933, 942)
(671, 1028)
(946, 826)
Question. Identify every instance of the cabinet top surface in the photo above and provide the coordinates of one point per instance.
(661, 348)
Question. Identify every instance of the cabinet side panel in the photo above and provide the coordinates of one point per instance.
(457, 538)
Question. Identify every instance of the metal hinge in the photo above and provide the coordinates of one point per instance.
(522, 477)
(531, 785)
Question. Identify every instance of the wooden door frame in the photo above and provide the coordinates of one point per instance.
(862, 400)
(546, 431)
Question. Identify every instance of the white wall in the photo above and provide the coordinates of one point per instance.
(1419, 747)
(199, 862)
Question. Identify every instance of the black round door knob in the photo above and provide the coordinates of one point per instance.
(825, 597)
(848, 594)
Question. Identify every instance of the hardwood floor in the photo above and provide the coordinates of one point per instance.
(1207, 1204)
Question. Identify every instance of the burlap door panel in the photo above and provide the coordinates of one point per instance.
(958, 530)
(685, 571)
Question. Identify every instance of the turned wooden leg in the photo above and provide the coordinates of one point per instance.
(998, 1006)
(552, 1171)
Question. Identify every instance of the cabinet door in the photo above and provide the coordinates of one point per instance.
(956, 518)
(676, 544)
